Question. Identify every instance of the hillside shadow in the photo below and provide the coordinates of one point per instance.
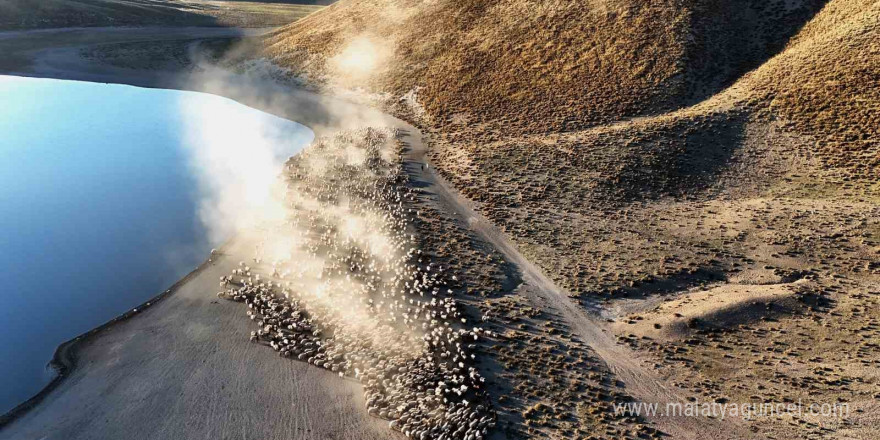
(732, 37)
(684, 158)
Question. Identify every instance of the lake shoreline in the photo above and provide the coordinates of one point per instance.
(321, 114)
(114, 209)
(64, 359)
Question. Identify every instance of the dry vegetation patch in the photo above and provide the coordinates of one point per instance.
(723, 307)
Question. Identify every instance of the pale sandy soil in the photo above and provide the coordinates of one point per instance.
(182, 368)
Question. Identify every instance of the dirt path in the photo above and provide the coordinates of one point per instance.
(39, 55)
(642, 383)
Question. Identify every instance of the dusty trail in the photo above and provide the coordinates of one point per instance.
(54, 55)
(642, 383)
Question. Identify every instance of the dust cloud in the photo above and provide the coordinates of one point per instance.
(336, 277)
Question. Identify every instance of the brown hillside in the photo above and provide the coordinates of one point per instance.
(535, 67)
(500, 63)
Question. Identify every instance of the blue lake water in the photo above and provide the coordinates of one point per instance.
(102, 204)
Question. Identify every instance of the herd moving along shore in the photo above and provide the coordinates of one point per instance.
(339, 282)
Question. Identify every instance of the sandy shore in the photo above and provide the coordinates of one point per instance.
(182, 368)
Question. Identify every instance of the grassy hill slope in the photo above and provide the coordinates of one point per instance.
(826, 84)
(563, 65)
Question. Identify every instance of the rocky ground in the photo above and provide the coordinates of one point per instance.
(545, 382)
(785, 248)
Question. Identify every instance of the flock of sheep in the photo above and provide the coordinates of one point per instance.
(341, 284)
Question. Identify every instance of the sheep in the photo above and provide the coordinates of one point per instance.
(423, 385)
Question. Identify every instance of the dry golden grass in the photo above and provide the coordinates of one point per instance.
(826, 84)
(538, 67)
(509, 68)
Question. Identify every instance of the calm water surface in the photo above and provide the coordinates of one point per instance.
(99, 207)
